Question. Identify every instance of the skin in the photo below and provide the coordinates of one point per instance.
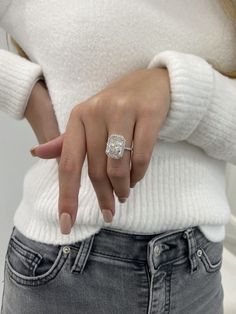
(136, 106)
(40, 114)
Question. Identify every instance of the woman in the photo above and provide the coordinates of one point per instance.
(131, 100)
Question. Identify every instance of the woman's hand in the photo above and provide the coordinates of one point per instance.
(134, 106)
(40, 114)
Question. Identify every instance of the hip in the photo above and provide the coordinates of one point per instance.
(114, 272)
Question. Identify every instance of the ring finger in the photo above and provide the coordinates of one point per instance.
(118, 170)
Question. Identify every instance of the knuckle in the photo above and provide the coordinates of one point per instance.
(79, 110)
(141, 159)
(116, 173)
(98, 101)
(96, 175)
(75, 110)
(68, 204)
(124, 105)
(123, 99)
(95, 106)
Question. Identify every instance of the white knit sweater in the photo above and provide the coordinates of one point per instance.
(79, 47)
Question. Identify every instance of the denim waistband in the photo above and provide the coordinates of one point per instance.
(134, 246)
(140, 248)
(176, 244)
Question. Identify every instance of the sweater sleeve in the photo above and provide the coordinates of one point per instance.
(17, 78)
(4, 4)
(203, 105)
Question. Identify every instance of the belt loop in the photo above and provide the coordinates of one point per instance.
(192, 247)
(83, 255)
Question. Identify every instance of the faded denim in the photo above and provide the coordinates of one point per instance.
(114, 272)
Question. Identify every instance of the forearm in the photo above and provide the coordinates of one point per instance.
(40, 114)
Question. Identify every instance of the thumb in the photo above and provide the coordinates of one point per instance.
(51, 149)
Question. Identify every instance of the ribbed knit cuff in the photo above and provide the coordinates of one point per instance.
(191, 82)
(17, 79)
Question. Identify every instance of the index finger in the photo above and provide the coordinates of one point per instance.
(70, 167)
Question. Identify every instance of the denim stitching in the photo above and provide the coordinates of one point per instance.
(22, 252)
(82, 255)
(33, 261)
(167, 290)
(41, 279)
(3, 292)
(207, 263)
(97, 253)
(24, 249)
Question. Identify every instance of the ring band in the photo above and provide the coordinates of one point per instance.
(116, 146)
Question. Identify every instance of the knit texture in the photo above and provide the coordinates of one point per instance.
(4, 6)
(17, 77)
(203, 108)
(80, 48)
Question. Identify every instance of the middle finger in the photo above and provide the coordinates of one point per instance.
(96, 134)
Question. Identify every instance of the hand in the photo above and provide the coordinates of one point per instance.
(40, 114)
(135, 106)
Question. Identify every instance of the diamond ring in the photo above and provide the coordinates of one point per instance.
(116, 146)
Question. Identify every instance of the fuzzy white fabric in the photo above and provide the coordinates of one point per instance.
(79, 48)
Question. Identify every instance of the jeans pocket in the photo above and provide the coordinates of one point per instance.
(29, 262)
(211, 256)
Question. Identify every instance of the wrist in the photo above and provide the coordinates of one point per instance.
(40, 114)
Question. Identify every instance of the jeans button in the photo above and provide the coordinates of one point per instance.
(199, 253)
(157, 250)
(66, 249)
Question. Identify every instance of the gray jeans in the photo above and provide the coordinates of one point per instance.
(114, 272)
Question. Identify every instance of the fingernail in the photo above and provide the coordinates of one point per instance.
(107, 215)
(122, 200)
(65, 223)
(33, 150)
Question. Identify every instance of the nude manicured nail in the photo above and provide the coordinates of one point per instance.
(65, 223)
(32, 151)
(107, 215)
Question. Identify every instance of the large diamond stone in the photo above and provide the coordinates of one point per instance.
(115, 146)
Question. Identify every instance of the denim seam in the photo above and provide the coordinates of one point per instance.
(82, 255)
(192, 248)
(22, 248)
(207, 263)
(148, 275)
(21, 251)
(115, 257)
(167, 290)
(41, 279)
(3, 292)
(33, 263)
(150, 301)
(75, 267)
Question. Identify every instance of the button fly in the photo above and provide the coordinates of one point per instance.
(157, 250)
